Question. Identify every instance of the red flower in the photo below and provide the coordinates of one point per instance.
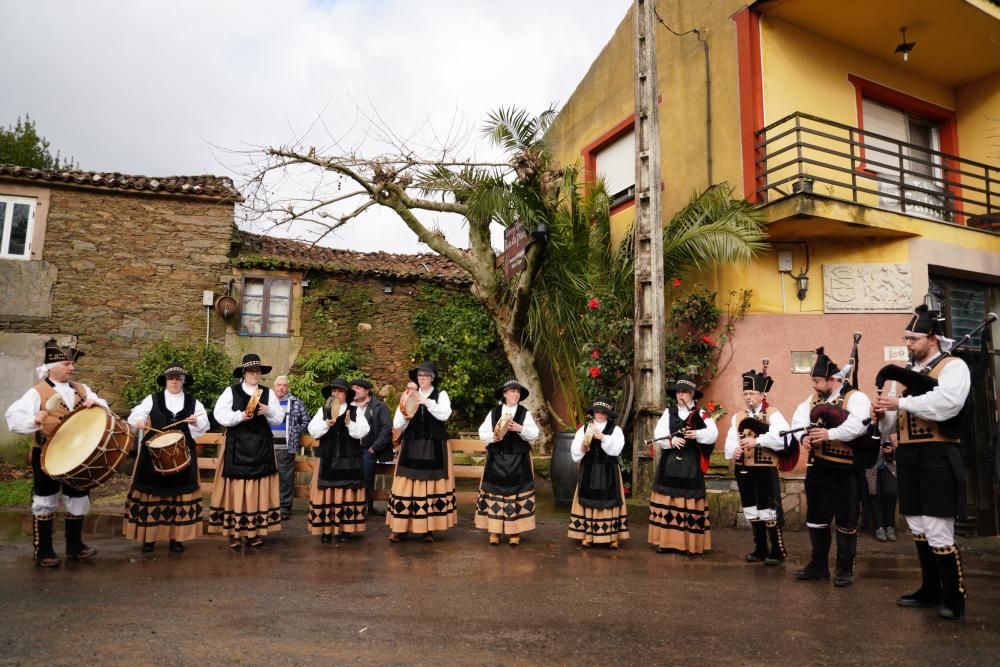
(710, 406)
(651, 451)
(706, 339)
(677, 282)
(593, 304)
(596, 354)
(594, 372)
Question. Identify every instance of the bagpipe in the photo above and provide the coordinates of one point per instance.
(694, 422)
(787, 457)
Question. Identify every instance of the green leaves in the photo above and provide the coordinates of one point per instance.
(314, 370)
(20, 144)
(209, 366)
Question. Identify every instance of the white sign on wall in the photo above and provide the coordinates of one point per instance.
(897, 353)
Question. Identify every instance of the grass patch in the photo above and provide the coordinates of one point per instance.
(15, 492)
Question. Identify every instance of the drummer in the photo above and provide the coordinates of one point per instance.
(39, 414)
(166, 506)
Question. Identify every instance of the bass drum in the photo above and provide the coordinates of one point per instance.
(87, 449)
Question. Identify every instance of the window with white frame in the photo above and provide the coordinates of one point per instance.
(266, 306)
(615, 163)
(17, 222)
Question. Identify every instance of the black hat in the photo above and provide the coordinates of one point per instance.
(172, 369)
(684, 382)
(926, 321)
(824, 367)
(339, 383)
(754, 381)
(361, 382)
(510, 384)
(55, 353)
(250, 362)
(424, 367)
(602, 404)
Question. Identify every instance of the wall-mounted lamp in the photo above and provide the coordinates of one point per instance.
(802, 284)
(541, 233)
(904, 47)
(932, 302)
(387, 288)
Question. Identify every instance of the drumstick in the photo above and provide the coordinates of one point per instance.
(179, 421)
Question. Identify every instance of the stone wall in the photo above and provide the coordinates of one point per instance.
(130, 270)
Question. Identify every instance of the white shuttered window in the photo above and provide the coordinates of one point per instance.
(616, 165)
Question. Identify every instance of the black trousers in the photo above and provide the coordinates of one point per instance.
(884, 501)
(833, 493)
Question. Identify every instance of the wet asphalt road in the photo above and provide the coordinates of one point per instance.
(460, 602)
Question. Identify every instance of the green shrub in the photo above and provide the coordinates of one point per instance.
(314, 370)
(16, 451)
(208, 364)
(15, 492)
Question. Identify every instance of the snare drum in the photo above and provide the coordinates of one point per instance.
(87, 448)
(169, 452)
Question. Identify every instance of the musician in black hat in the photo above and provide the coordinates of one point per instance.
(166, 506)
(833, 419)
(506, 503)
(928, 463)
(38, 413)
(337, 503)
(678, 509)
(754, 442)
(422, 499)
(598, 514)
(246, 502)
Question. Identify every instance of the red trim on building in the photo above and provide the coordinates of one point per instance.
(590, 151)
(946, 119)
(751, 95)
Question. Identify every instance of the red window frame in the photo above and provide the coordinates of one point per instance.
(590, 151)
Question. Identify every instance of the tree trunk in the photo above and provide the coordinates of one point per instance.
(522, 360)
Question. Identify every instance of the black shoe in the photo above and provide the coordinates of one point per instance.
(773, 561)
(326, 538)
(812, 572)
(755, 557)
(286, 515)
(929, 593)
(147, 547)
(843, 579)
(176, 546)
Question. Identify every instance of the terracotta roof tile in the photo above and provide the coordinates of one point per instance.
(302, 255)
(196, 186)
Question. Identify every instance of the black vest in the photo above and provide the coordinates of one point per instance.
(600, 477)
(508, 462)
(249, 445)
(424, 454)
(147, 479)
(679, 471)
(340, 463)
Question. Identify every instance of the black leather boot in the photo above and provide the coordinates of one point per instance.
(759, 542)
(777, 554)
(949, 564)
(45, 555)
(75, 548)
(818, 567)
(847, 551)
(929, 593)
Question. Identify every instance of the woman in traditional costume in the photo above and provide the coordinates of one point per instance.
(245, 501)
(506, 504)
(166, 506)
(422, 499)
(598, 514)
(337, 501)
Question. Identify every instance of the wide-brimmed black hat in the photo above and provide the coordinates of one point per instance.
(926, 322)
(602, 404)
(684, 382)
(424, 367)
(55, 353)
(824, 366)
(510, 384)
(251, 362)
(173, 369)
(339, 383)
(361, 382)
(754, 381)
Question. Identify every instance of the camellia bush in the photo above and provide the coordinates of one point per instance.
(314, 370)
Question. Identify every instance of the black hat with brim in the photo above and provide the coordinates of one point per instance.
(339, 383)
(55, 353)
(754, 381)
(824, 366)
(251, 362)
(361, 382)
(511, 384)
(684, 383)
(602, 404)
(925, 321)
(424, 367)
(174, 369)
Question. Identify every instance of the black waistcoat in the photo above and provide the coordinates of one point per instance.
(600, 477)
(250, 444)
(679, 471)
(508, 462)
(147, 479)
(424, 454)
(340, 464)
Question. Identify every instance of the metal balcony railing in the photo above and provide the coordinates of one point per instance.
(804, 153)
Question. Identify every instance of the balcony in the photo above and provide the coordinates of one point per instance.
(807, 155)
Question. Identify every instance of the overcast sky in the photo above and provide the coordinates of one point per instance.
(154, 88)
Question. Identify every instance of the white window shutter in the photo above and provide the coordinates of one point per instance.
(616, 164)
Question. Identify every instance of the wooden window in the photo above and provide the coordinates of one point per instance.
(266, 306)
(17, 221)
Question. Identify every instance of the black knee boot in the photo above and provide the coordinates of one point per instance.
(75, 548)
(847, 551)
(818, 566)
(777, 554)
(45, 555)
(949, 564)
(929, 593)
(759, 542)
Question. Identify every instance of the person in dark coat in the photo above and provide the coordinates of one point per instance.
(377, 445)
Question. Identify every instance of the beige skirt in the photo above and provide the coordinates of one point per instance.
(244, 507)
(681, 524)
(598, 526)
(334, 511)
(506, 515)
(150, 518)
(422, 506)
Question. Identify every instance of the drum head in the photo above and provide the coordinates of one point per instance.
(165, 440)
(75, 440)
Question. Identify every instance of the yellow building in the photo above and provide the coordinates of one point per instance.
(875, 153)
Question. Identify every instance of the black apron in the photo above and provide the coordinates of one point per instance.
(508, 462)
(340, 462)
(424, 454)
(249, 445)
(147, 479)
(600, 476)
(679, 472)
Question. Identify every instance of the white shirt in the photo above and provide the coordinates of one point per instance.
(704, 436)
(439, 409)
(942, 403)
(175, 403)
(226, 416)
(529, 429)
(21, 414)
(859, 406)
(612, 444)
(770, 440)
(357, 429)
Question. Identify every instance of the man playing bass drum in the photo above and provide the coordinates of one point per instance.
(834, 480)
(928, 462)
